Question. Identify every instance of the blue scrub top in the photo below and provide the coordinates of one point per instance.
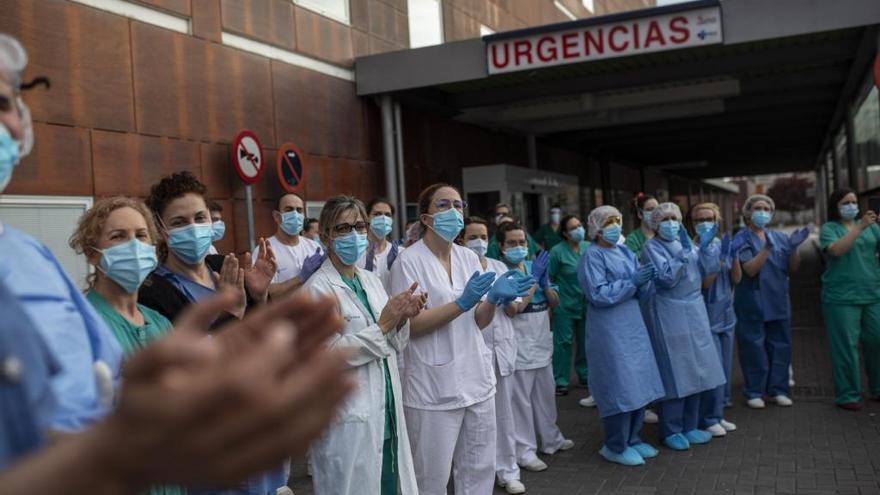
(69, 325)
(193, 291)
(764, 297)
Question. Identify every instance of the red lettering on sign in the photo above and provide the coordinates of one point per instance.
(596, 42)
(522, 48)
(655, 35)
(636, 40)
(569, 42)
(496, 62)
(612, 36)
(679, 25)
(546, 48)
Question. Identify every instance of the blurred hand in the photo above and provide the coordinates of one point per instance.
(231, 277)
(868, 219)
(258, 275)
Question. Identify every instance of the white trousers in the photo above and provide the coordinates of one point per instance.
(506, 467)
(534, 413)
(460, 440)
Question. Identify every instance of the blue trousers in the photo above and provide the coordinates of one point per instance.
(712, 401)
(678, 415)
(622, 430)
(764, 356)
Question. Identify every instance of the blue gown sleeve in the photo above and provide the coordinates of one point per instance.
(710, 260)
(670, 268)
(601, 291)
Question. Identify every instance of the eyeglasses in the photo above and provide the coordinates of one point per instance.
(445, 204)
(612, 220)
(703, 220)
(346, 228)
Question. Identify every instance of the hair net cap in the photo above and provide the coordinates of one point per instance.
(13, 59)
(663, 210)
(754, 198)
(597, 219)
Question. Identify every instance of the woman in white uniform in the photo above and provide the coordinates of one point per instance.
(367, 448)
(500, 338)
(534, 401)
(381, 252)
(448, 380)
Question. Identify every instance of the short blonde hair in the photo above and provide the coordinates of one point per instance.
(708, 206)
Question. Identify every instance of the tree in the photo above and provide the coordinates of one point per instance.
(790, 193)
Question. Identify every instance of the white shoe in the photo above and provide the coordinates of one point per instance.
(513, 486)
(651, 417)
(284, 490)
(717, 430)
(535, 465)
(783, 401)
(727, 425)
(588, 402)
(756, 403)
(566, 445)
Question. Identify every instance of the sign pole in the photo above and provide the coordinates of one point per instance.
(249, 201)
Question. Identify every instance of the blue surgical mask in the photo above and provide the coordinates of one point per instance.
(761, 218)
(192, 242)
(577, 234)
(611, 233)
(515, 255)
(448, 224)
(9, 156)
(128, 264)
(381, 226)
(669, 229)
(350, 247)
(704, 228)
(292, 222)
(849, 211)
(478, 246)
(219, 230)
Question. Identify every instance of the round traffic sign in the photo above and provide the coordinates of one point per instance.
(247, 156)
(291, 167)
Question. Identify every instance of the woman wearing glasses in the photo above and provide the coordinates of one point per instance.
(448, 378)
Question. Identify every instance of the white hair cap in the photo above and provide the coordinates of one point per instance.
(663, 210)
(597, 219)
(754, 198)
(13, 59)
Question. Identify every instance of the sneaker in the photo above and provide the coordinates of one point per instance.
(566, 445)
(284, 490)
(588, 402)
(783, 401)
(513, 486)
(629, 457)
(645, 450)
(727, 425)
(651, 417)
(717, 430)
(561, 390)
(677, 441)
(756, 403)
(698, 437)
(851, 406)
(535, 465)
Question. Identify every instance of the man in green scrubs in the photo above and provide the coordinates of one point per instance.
(548, 235)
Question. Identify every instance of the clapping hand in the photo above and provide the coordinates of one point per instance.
(540, 269)
(798, 237)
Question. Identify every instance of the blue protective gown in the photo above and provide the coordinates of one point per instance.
(76, 335)
(625, 375)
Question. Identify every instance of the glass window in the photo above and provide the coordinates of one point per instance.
(866, 137)
(840, 159)
(425, 22)
(334, 9)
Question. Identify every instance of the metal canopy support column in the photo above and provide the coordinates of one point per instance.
(387, 108)
(401, 176)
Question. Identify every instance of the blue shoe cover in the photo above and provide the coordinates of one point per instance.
(645, 450)
(698, 437)
(677, 442)
(629, 457)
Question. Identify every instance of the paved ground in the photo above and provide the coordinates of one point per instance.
(811, 448)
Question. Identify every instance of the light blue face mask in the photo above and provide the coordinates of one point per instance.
(515, 255)
(381, 226)
(192, 242)
(219, 230)
(849, 211)
(704, 228)
(577, 234)
(448, 224)
(292, 222)
(128, 264)
(669, 229)
(761, 218)
(611, 233)
(350, 247)
(9, 156)
(478, 246)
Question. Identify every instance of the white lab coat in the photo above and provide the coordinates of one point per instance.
(348, 458)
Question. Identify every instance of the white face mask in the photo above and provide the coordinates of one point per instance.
(478, 246)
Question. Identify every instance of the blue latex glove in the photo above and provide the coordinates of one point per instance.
(478, 285)
(798, 237)
(311, 264)
(684, 239)
(707, 237)
(509, 286)
(540, 269)
(768, 240)
(644, 274)
(725, 246)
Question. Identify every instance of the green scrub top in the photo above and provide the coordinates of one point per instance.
(547, 236)
(853, 278)
(389, 450)
(635, 241)
(493, 252)
(131, 337)
(563, 272)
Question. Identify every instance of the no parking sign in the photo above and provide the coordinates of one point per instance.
(291, 167)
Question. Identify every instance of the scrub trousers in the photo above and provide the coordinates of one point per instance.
(568, 331)
(506, 467)
(712, 401)
(534, 414)
(679, 415)
(847, 325)
(622, 429)
(461, 440)
(764, 356)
